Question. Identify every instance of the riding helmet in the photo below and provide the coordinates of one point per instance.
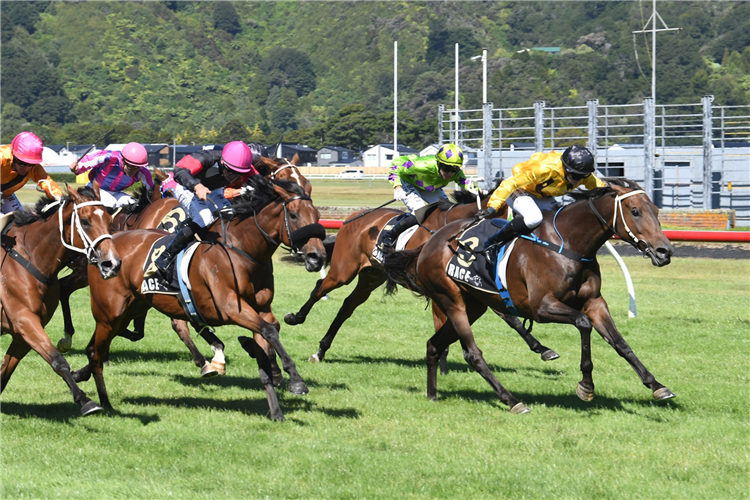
(238, 157)
(27, 147)
(135, 154)
(578, 160)
(451, 155)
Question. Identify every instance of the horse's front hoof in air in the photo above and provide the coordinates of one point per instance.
(208, 371)
(549, 355)
(90, 408)
(291, 319)
(583, 393)
(519, 409)
(663, 393)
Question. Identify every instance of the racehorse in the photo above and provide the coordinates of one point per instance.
(231, 282)
(353, 256)
(34, 250)
(545, 285)
(149, 210)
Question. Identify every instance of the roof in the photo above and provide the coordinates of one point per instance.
(335, 148)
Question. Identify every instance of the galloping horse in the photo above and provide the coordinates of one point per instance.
(545, 285)
(352, 257)
(231, 283)
(147, 213)
(34, 249)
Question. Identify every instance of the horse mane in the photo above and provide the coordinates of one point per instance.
(261, 195)
(602, 191)
(41, 211)
(142, 197)
(463, 197)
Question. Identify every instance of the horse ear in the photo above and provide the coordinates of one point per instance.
(265, 166)
(95, 185)
(74, 194)
(308, 188)
(295, 159)
(159, 175)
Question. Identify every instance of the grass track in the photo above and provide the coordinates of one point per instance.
(367, 430)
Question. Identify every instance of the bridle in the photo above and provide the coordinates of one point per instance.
(641, 245)
(295, 172)
(89, 245)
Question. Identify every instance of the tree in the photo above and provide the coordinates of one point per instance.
(226, 18)
(289, 68)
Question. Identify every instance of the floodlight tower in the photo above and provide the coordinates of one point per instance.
(653, 30)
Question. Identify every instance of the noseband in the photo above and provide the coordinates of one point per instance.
(641, 245)
(310, 228)
(89, 245)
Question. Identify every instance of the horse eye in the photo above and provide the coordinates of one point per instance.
(293, 215)
(86, 223)
(635, 212)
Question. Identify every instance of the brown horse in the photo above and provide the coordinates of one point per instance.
(231, 283)
(544, 285)
(148, 212)
(352, 257)
(34, 250)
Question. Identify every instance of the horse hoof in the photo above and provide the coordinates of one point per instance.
(519, 409)
(298, 388)
(278, 379)
(90, 408)
(314, 358)
(208, 371)
(663, 393)
(290, 319)
(64, 344)
(221, 368)
(583, 393)
(549, 355)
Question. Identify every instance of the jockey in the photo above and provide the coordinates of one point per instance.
(116, 171)
(20, 161)
(534, 185)
(201, 179)
(418, 181)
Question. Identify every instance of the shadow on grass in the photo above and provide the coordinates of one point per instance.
(66, 412)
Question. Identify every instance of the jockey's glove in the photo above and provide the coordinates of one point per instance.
(485, 213)
(399, 193)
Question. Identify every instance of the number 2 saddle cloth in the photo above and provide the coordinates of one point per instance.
(470, 265)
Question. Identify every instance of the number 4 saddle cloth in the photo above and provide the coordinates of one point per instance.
(470, 265)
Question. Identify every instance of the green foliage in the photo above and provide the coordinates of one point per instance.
(288, 69)
(225, 18)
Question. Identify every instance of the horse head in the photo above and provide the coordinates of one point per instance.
(301, 230)
(281, 169)
(636, 220)
(88, 224)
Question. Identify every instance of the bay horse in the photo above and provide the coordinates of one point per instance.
(352, 257)
(148, 212)
(545, 286)
(34, 249)
(231, 282)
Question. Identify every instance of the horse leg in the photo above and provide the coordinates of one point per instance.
(139, 329)
(15, 353)
(264, 371)
(368, 281)
(436, 347)
(98, 353)
(69, 284)
(276, 375)
(461, 315)
(601, 319)
(546, 353)
(218, 362)
(36, 338)
(439, 319)
(180, 327)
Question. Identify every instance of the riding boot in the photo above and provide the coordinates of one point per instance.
(512, 229)
(391, 237)
(179, 242)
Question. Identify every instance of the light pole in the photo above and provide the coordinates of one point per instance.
(455, 139)
(483, 57)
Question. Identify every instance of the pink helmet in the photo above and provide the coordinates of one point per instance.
(238, 156)
(27, 147)
(135, 154)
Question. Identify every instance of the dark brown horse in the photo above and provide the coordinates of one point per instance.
(232, 283)
(148, 212)
(33, 252)
(544, 285)
(352, 257)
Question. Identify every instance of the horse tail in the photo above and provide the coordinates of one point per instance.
(401, 269)
(328, 244)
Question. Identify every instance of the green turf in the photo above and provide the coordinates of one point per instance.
(366, 430)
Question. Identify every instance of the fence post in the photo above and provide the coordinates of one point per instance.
(487, 145)
(707, 149)
(649, 145)
(539, 126)
(441, 111)
(593, 126)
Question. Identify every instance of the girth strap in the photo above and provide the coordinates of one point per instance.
(27, 265)
(556, 248)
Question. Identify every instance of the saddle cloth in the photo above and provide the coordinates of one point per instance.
(470, 266)
(403, 238)
(174, 219)
(153, 282)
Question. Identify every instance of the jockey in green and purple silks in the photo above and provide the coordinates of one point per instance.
(418, 181)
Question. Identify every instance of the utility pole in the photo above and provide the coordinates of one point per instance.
(653, 30)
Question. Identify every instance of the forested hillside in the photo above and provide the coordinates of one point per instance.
(322, 72)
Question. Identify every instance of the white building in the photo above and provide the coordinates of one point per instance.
(381, 155)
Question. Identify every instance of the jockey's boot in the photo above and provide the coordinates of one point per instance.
(179, 242)
(391, 237)
(512, 229)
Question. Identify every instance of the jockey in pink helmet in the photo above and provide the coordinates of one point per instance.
(20, 161)
(115, 171)
(201, 179)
